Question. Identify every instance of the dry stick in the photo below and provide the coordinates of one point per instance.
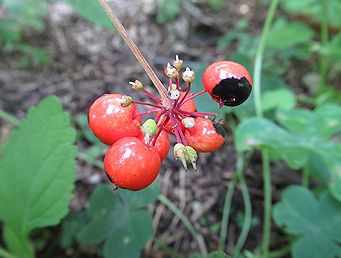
(134, 49)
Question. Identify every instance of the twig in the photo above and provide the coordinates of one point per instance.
(134, 49)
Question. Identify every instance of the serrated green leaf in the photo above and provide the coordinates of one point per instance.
(119, 219)
(317, 222)
(37, 170)
(92, 11)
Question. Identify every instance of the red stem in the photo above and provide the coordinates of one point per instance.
(147, 104)
(186, 93)
(159, 130)
(150, 95)
(175, 128)
(145, 113)
(193, 96)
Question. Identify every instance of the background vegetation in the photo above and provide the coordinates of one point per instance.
(273, 190)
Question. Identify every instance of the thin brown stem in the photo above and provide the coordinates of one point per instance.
(134, 49)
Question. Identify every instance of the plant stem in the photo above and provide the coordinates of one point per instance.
(280, 252)
(6, 254)
(247, 206)
(91, 160)
(167, 248)
(9, 118)
(267, 204)
(170, 205)
(134, 49)
(258, 106)
(259, 58)
(324, 37)
(305, 176)
(226, 213)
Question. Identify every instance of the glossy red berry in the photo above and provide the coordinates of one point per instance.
(131, 164)
(162, 144)
(228, 83)
(204, 136)
(110, 121)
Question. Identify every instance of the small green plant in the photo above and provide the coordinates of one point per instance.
(304, 137)
(23, 16)
(119, 219)
(36, 175)
(317, 222)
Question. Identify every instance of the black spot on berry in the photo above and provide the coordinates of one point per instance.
(219, 129)
(232, 91)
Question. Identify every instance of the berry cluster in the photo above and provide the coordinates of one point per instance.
(137, 149)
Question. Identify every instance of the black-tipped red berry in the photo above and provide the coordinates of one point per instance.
(227, 82)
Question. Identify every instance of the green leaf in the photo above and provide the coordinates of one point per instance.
(92, 11)
(314, 9)
(281, 98)
(323, 123)
(305, 134)
(286, 35)
(316, 222)
(262, 133)
(37, 171)
(72, 224)
(120, 219)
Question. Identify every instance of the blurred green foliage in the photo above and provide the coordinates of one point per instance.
(119, 219)
(317, 222)
(23, 16)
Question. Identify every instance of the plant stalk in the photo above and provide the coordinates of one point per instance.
(9, 118)
(258, 106)
(170, 205)
(259, 58)
(226, 213)
(324, 37)
(247, 206)
(267, 204)
(134, 49)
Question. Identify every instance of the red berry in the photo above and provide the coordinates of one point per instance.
(227, 82)
(204, 137)
(189, 106)
(162, 144)
(131, 164)
(110, 121)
